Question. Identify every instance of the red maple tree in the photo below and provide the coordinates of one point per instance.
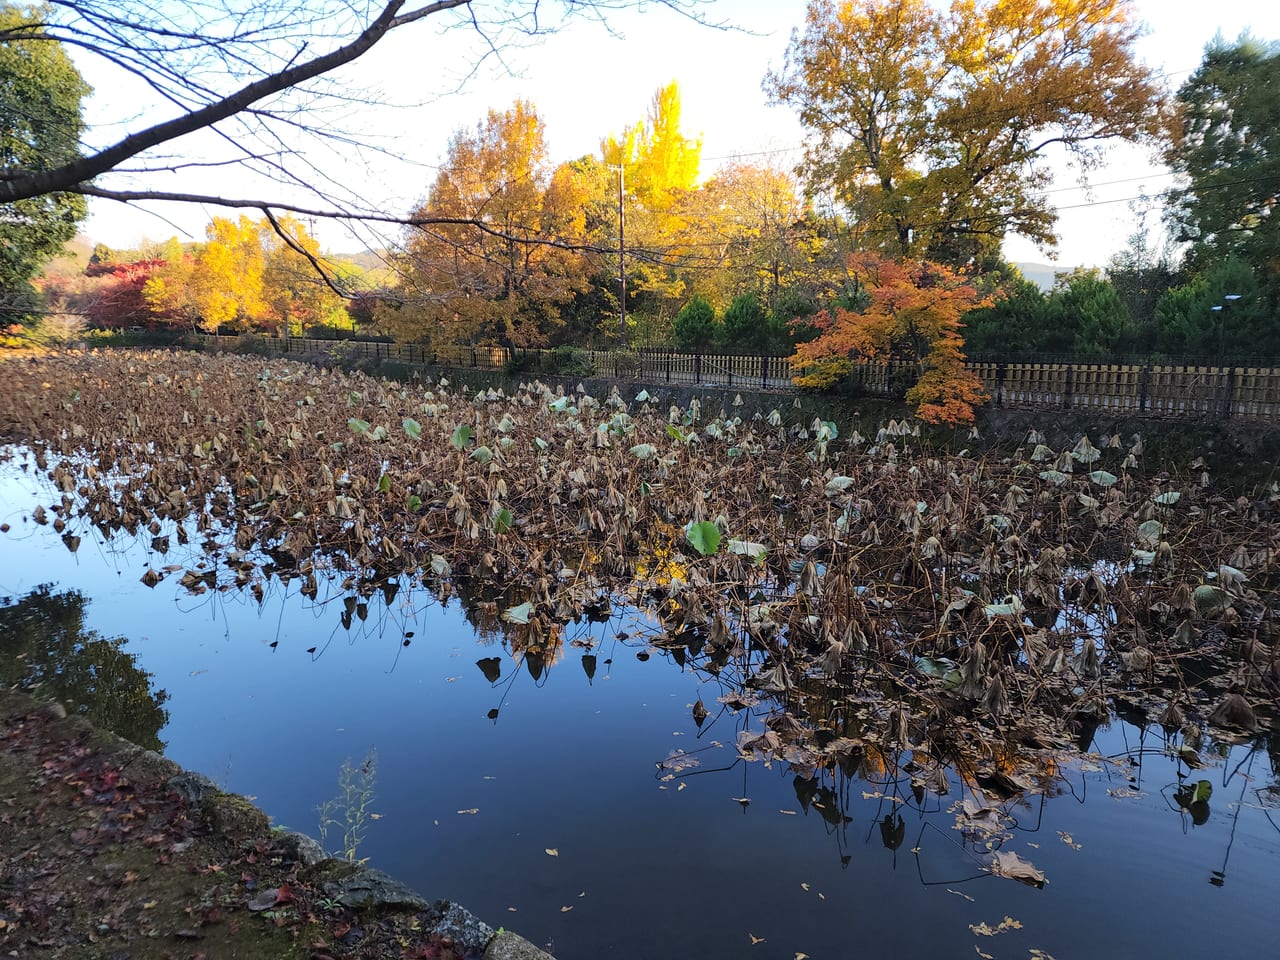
(912, 313)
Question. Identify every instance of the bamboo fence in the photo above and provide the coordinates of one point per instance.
(1188, 391)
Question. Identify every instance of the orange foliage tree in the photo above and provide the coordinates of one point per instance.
(912, 313)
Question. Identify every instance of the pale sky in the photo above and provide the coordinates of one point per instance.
(587, 83)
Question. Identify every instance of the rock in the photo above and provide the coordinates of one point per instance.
(373, 888)
(192, 787)
(457, 926)
(508, 946)
(302, 848)
(233, 816)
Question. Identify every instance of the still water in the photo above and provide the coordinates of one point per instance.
(540, 800)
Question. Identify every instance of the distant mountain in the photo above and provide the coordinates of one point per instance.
(365, 259)
(1042, 274)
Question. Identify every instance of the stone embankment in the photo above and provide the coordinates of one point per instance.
(112, 852)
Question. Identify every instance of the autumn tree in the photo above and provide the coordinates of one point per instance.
(659, 169)
(495, 259)
(748, 229)
(119, 300)
(913, 313)
(268, 93)
(934, 128)
(659, 162)
(248, 273)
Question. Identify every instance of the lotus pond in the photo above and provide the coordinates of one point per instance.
(642, 681)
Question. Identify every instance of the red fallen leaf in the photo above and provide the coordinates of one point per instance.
(284, 895)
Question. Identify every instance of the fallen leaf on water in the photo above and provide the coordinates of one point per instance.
(1006, 863)
(960, 894)
(1004, 926)
(681, 787)
(511, 909)
(742, 800)
(469, 811)
(755, 939)
(1069, 840)
(552, 852)
(565, 909)
(804, 887)
(985, 956)
(375, 816)
(789, 813)
(801, 956)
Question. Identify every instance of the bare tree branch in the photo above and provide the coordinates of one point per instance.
(69, 175)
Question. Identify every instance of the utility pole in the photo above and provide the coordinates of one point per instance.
(622, 258)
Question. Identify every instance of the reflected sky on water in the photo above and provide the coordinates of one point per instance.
(652, 861)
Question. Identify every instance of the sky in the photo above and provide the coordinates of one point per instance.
(588, 82)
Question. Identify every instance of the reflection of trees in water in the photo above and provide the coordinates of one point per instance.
(44, 647)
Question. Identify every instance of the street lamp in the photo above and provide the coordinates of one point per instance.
(1220, 309)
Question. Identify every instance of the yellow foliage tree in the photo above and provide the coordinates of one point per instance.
(245, 276)
(493, 258)
(933, 126)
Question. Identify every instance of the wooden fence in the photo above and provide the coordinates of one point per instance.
(1174, 391)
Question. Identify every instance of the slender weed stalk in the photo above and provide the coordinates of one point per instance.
(349, 812)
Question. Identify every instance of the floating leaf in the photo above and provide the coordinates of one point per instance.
(1209, 599)
(518, 614)
(1008, 607)
(1008, 864)
(1150, 533)
(1085, 452)
(837, 485)
(704, 537)
(746, 548)
(502, 521)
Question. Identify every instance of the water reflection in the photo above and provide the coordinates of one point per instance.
(45, 648)
(794, 782)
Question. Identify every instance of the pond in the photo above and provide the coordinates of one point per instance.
(584, 800)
